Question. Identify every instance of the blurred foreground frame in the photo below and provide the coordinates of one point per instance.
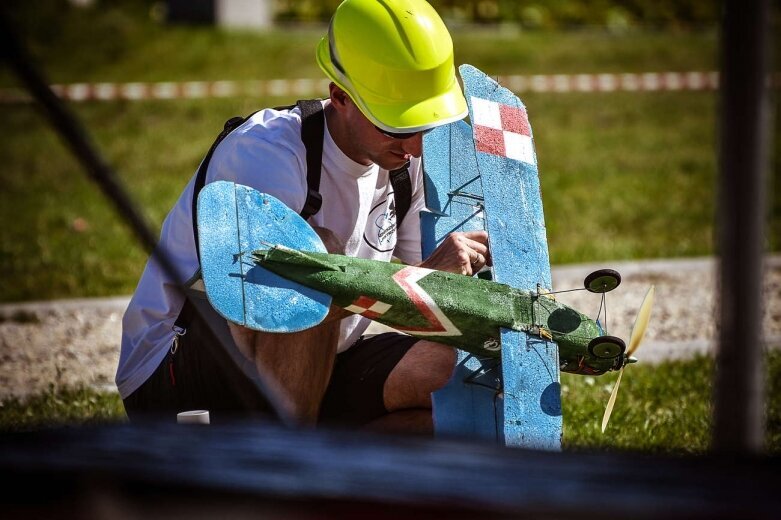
(262, 470)
(246, 469)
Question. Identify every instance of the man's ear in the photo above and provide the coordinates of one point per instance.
(339, 97)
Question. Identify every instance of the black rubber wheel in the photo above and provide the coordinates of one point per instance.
(602, 281)
(606, 347)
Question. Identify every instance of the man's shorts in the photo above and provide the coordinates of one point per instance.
(193, 379)
(355, 394)
(199, 375)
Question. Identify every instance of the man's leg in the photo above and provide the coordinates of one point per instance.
(424, 369)
(198, 374)
(385, 382)
(299, 363)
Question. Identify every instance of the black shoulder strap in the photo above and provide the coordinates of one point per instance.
(200, 178)
(186, 314)
(402, 192)
(312, 132)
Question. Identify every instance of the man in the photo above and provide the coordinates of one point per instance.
(391, 66)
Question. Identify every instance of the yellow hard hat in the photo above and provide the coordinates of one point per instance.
(395, 60)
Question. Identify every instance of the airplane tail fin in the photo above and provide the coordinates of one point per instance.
(234, 220)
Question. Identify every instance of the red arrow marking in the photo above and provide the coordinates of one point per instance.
(439, 324)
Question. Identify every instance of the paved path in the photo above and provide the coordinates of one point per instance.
(68, 342)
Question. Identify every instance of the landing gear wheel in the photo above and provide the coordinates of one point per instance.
(606, 347)
(602, 281)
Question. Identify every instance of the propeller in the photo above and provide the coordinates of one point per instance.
(638, 331)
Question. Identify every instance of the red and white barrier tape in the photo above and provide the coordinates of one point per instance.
(650, 81)
(640, 82)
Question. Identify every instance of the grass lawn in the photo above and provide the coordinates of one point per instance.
(64, 406)
(661, 408)
(618, 182)
(132, 48)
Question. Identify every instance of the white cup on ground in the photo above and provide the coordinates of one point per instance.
(193, 417)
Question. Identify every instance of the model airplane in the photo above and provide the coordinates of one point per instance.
(461, 311)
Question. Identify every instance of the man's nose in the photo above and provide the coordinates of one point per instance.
(413, 145)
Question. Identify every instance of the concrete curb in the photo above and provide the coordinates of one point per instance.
(114, 303)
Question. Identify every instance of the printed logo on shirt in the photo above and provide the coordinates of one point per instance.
(380, 232)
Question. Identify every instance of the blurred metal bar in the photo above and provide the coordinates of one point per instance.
(738, 394)
(74, 135)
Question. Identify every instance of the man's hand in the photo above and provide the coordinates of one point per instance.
(461, 252)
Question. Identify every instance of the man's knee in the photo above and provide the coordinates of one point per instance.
(425, 368)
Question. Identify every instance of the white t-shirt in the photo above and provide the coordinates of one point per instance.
(266, 153)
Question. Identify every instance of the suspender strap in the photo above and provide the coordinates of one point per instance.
(312, 132)
(186, 314)
(200, 179)
(184, 319)
(402, 192)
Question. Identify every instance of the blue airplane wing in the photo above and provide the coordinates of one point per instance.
(454, 196)
(468, 404)
(233, 221)
(493, 164)
(471, 405)
(507, 163)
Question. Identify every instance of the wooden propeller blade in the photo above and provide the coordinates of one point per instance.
(641, 322)
(612, 401)
(638, 331)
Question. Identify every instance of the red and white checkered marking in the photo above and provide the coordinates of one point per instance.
(368, 307)
(502, 130)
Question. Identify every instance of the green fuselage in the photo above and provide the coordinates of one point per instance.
(461, 311)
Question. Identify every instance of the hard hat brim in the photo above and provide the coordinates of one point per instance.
(414, 116)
